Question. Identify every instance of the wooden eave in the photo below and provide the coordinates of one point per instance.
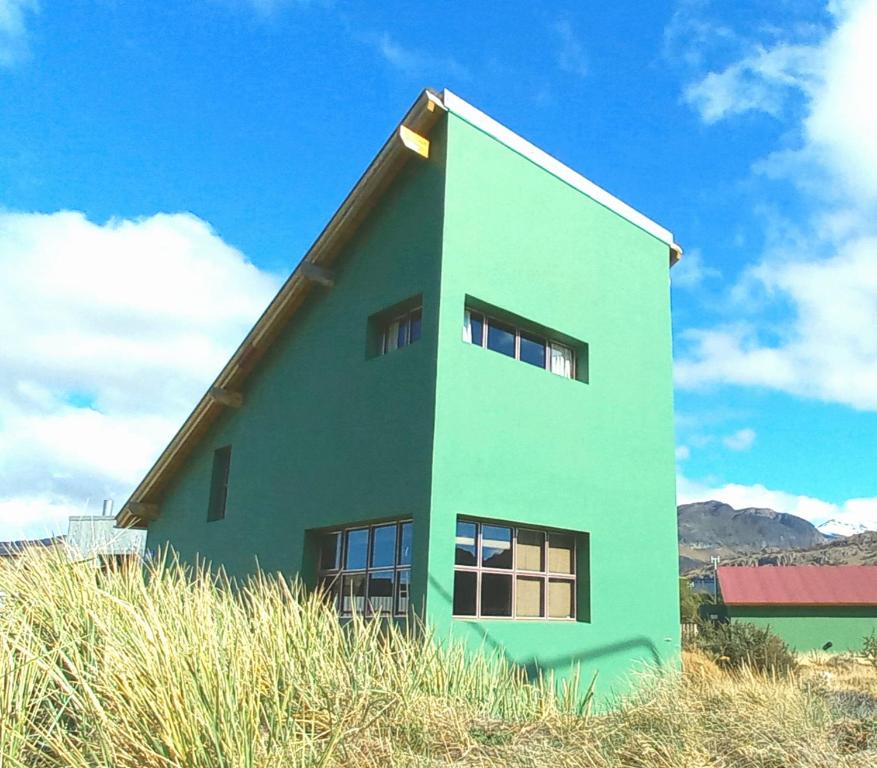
(144, 504)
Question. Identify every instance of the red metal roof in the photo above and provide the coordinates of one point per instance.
(799, 584)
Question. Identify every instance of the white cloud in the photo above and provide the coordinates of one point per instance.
(692, 271)
(741, 440)
(804, 309)
(13, 29)
(570, 53)
(841, 127)
(111, 333)
(683, 452)
(411, 61)
(759, 82)
(826, 350)
(854, 511)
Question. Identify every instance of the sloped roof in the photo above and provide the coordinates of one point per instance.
(392, 157)
(799, 584)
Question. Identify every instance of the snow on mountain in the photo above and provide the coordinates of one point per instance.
(837, 528)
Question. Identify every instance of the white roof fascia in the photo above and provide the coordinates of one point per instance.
(477, 118)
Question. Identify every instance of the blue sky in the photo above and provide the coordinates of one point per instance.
(162, 166)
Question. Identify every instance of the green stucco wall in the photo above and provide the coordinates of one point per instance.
(328, 435)
(519, 444)
(809, 628)
(442, 428)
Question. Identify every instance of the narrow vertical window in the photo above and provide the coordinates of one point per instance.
(219, 483)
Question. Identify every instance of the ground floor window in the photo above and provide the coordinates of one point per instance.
(503, 571)
(367, 569)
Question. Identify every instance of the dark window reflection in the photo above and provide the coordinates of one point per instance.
(357, 549)
(496, 594)
(501, 338)
(464, 593)
(329, 555)
(384, 546)
(353, 593)
(476, 326)
(533, 350)
(414, 334)
(465, 546)
(380, 591)
(496, 546)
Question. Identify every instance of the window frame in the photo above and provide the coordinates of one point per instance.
(399, 317)
(330, 578)
(545, 575)
(548, 341)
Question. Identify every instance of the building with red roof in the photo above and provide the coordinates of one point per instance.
(812, 607)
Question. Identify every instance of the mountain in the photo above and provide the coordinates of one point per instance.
(836, 528)
(712, 525)
(708, 528)
(860, 549)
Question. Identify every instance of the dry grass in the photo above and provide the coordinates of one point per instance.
(173, 668)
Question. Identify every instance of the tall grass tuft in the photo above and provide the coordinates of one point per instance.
(172, 667)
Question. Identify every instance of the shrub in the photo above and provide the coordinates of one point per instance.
(738, 644)
(690, 602)
(870, 648)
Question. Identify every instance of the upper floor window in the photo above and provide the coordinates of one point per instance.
(367, 569)
(503, 571)
(513, 341)
(219, 483)
(401, 330)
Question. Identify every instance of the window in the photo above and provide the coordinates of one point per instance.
(529, 347)
(367, 570)
(503, 571)
(219, 483)
(401, 330)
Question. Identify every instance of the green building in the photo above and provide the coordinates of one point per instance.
(811, 607)
(459, 403)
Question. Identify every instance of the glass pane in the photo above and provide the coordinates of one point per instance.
(329, 586)
(402, 334)
(465, 544)
(561, 548)
(357, 549)
(329, 554)
(464, 593)
(530, 550)
(353, 593)
(496, 594)
(391, 336)
(501, 338)
(405, 544)
(561, 360)
(403, 591)
(476, 328)
(528, 596)
(533, 350)
(380, 592)
(560, 599)
(384, 546)
(416, 322)
(496, 546)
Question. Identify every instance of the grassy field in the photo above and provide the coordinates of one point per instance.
(175, 669)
